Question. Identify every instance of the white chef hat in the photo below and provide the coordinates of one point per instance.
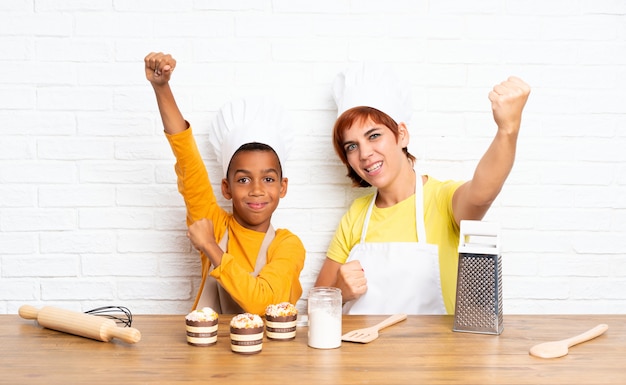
(251, 119)
(373, 85)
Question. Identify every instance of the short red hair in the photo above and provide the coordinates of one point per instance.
(360, 115)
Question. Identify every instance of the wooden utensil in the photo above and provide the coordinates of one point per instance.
(81, 324)
(369, 334)
(560, 348)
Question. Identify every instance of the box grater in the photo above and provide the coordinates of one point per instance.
(479, 282)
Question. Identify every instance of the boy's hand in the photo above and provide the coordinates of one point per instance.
(200, 233)
(507, 102)
(159, 67)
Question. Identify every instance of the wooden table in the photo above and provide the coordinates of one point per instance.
(422, 349)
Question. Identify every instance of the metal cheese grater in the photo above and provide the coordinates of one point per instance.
(479, 282)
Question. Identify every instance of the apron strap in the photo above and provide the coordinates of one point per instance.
(261, 259)
(419, 212)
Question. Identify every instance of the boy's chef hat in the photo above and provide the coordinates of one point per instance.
(250, 119)
(373, 85)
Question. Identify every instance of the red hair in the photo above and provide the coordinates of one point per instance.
(360, 115)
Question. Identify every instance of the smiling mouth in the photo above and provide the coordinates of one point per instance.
(374, 167)
(257, 206)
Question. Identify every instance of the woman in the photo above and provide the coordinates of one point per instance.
(395, 250)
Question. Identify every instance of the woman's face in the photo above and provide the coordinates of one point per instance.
(374, 152)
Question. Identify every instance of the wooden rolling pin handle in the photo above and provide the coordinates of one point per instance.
(28, 312)
(128, 335)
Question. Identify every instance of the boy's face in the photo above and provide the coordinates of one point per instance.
(254, 185)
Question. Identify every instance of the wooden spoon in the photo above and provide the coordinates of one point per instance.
(560, 348)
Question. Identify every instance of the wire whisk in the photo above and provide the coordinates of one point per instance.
(120, 314)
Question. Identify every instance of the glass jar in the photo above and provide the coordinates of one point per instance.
(324, 311)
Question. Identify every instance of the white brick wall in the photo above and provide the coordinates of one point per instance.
(89, 212)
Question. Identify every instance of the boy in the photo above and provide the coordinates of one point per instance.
(246, 265)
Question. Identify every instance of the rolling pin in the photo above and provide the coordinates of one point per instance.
(80, 324)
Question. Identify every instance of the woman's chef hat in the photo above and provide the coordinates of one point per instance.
(373, 85)
(251, 119)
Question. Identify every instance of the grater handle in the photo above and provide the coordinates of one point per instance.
(479, 237)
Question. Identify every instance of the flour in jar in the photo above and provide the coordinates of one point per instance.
(324, 311)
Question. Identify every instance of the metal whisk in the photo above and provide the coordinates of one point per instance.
(120, 314)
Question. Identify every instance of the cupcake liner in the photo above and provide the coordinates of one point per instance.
(246, 340)
(201, 333)
(281, 327)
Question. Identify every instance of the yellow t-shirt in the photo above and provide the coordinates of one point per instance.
(278, 281)
(397, 224)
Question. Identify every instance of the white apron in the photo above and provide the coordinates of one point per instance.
(402, 277)
(213, 294)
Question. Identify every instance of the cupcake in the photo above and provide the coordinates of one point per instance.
(280, 321)
(246, 333)
(201, 327)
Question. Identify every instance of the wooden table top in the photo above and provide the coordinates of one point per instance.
(422, 349)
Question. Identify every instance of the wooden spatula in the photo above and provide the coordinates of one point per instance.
(369, 334)
(560, 348)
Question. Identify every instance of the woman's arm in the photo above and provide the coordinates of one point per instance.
(473, 199)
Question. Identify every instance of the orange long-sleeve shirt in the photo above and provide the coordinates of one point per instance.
(278, 281)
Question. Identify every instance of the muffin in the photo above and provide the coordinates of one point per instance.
(201, 327)
(246, 333)
(280, 321)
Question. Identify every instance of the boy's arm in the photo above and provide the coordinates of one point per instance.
(159, 68)
(278, 281)
(193, 179)
(473, 198)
